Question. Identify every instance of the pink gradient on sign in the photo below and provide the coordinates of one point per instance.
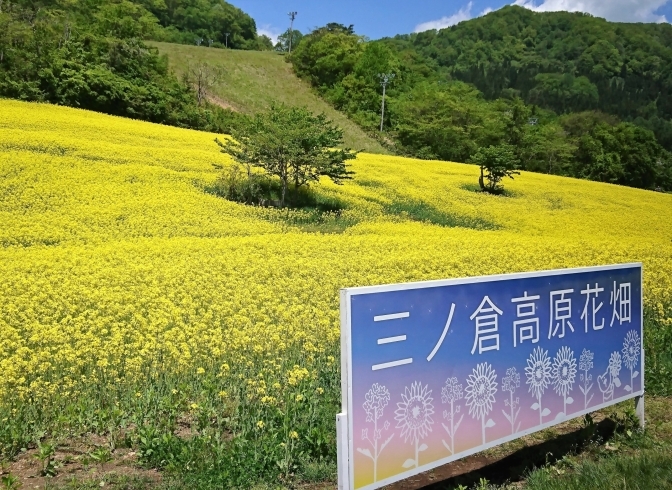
(469, 435)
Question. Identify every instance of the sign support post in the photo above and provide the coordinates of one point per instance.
(639, 410)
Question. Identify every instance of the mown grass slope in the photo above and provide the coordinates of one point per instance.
(253, 80)
(136, 303)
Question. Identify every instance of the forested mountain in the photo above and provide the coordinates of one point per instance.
(571, 94)
(567, 62)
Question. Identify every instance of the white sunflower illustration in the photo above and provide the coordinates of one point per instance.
(414, 413)
(631, 350)
(564, 374)
(538, 372)
(564, 371)
(414, 417)
(480, 390)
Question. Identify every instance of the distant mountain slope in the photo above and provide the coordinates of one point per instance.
(567, 62)
(253, 80)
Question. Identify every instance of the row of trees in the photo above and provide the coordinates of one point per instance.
(439, 106)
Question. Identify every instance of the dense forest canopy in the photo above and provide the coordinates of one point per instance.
(185, 21)
(567, 62)
(573, 94)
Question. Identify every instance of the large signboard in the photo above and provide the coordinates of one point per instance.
(435, 371)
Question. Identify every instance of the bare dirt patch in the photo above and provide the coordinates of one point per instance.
(78, 459)
(213, 99)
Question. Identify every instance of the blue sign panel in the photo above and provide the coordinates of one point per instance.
(436, 371)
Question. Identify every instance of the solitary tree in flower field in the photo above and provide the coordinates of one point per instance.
(496, 162)
(292, 144)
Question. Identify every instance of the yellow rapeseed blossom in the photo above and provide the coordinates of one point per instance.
(117, 263)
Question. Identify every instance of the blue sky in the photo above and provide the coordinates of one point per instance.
(379, 18)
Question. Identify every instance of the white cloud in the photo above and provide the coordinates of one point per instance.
(486, 11)
(463, 14)
(268, 30)
(614, 10)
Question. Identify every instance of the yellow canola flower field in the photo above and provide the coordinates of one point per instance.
(115, 261)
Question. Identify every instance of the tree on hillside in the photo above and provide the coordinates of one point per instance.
(496, 162)
(444, 121)
(547, 149)
(264, 43)
(327, 55)
(282, 45)
(293, 145)
(202, 77)
(517, 125)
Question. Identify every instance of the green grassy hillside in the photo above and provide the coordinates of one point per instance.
(253, 80)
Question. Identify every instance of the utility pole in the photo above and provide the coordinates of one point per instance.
(385, 78)
(227, 39)
(292, 16)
